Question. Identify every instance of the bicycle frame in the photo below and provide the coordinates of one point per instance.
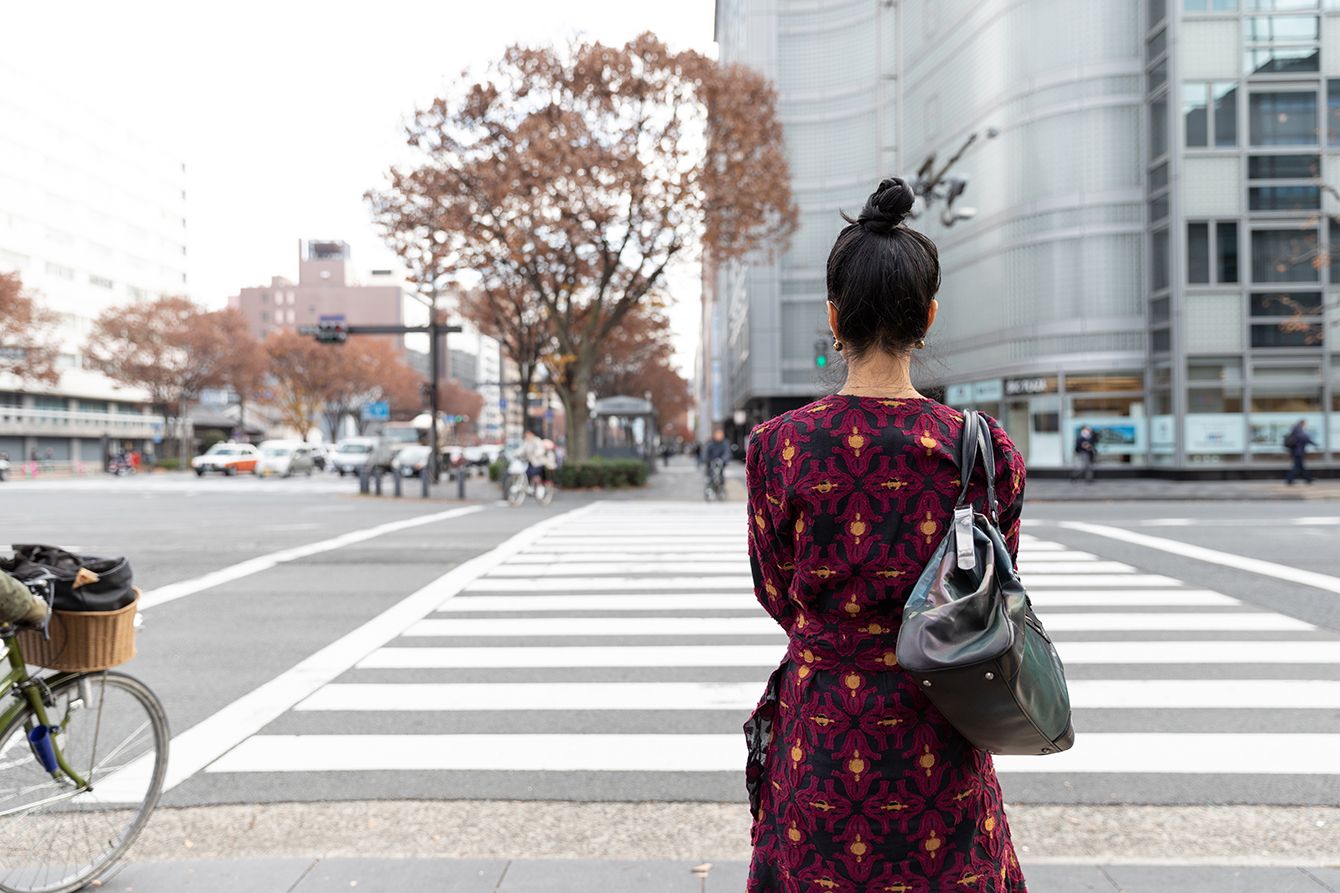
(29, 694)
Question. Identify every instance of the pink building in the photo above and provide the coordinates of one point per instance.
(323, 289)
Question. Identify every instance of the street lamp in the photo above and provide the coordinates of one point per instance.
(931, 185)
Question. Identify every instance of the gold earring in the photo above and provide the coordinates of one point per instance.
(838, 345)
(919, 344)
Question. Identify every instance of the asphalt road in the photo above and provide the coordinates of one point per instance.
(297, 664)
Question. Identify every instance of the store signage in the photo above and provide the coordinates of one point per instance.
(987, 391)
(958, 394)
(1040, 384)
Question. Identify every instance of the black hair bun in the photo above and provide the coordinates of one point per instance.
(887, 206)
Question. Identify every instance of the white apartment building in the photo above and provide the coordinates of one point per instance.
(92, 214)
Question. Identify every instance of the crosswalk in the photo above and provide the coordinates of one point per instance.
(625, 647)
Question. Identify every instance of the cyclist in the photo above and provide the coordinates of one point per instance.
(539, 456)
(716, 456)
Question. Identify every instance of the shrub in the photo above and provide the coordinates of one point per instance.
(604, 473)
(168, 463)
(497, 469)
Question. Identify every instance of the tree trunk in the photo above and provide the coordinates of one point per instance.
(526, 372)
(576, 416)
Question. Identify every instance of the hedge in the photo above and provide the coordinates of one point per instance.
(606, 473)
(497, 469)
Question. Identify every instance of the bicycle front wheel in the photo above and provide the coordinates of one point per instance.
(56, 835)
(516, 491)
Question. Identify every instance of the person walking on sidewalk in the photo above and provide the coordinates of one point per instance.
(1296, 442)
(856, 782)
(1086, 454)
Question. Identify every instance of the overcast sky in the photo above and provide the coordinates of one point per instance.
(285, 112)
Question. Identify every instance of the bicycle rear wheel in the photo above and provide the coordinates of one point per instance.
(56, 837)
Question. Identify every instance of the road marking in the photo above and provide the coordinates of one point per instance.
(1104, 581)
(589, 569)
(1032, 555)
(1157, 753)
(173, 591)
(502, 627)
(720, 601)
(1189, 753)
(550, 753)
(209, 739)
(1034, 567)
(1085, 694)
(1135, 598)
(495, 627)
(641, 601)
(607, 584)
(1213, 556)
(612, 556)
(767, 656)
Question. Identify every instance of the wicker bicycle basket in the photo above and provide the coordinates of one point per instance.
(83, 640)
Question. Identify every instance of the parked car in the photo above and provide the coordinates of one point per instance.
(483, 454)
(411, 461)
(352, 454)
(320, 455)
(4, 468)
(285, 458)
(228, 458)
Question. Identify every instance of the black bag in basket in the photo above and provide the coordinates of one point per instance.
(112, 589)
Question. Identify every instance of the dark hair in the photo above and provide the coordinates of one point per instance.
(882, 275)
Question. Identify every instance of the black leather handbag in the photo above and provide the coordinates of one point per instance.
(969, 636)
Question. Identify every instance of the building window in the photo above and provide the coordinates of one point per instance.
(1158, 178)
(1332, 250)
(1282, 44)
(1333, 111)
(1210, 112)
(1209, 5)
(1158, 260)
(1226, 251)
(1280, 5)
(1284, 255)
(265, 298)
(1284, 198)
(1158, 127)
(1198, 253)
(99, 281)
(1283, 118)
(1283, 167)
(1286, 318)
(1161, 340)
(1158, 208)
(1158, 311)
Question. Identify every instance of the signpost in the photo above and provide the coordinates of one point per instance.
(380, 411)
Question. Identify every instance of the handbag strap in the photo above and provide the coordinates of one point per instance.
(975, 439)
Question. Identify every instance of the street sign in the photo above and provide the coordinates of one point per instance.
(330, 319)
(549, 414)
(502, 403)
(379, 411)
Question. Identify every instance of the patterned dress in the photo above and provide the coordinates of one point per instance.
(857, 782)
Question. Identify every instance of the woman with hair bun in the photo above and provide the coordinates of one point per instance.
(857, 783)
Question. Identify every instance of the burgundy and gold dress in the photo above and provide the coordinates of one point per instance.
(857, 782)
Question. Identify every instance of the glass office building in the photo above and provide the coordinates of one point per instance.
(1152, 252)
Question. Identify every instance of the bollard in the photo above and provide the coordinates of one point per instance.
(460, 481)
(426, 483)
(397, 477)
(363, 479)
(378, 482)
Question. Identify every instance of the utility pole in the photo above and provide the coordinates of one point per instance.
(434, 357)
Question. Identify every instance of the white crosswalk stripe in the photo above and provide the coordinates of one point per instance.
(616, 618)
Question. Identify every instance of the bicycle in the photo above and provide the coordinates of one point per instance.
(714, 488)
(520, 486)
(71, 745)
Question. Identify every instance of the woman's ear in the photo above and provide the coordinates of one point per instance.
(931, 314)
(832, 320)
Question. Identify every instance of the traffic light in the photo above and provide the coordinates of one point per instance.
(332, 333)
(820, 354)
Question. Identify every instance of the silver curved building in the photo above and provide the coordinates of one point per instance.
(1157, 237)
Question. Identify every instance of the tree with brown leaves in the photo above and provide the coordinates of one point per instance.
(27, 334)
(367, 370)
(302, 376)
(584, 174)
(245, 366)
(170, 347)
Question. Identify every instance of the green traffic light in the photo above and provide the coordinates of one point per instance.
(821, 361)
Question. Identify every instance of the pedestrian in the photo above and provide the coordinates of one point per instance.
(1296, 442)
(856, 781)
(1086, 454)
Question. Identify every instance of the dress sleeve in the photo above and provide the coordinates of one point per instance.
(1010, 474)
(771, 552)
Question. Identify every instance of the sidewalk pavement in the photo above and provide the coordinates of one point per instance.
(588, 876)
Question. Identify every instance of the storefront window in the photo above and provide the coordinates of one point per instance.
(1076, 384)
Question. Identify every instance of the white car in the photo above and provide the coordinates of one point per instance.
(228, 458)
(351, 454)
(285, 458)
(411, 461)
(4, 469)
